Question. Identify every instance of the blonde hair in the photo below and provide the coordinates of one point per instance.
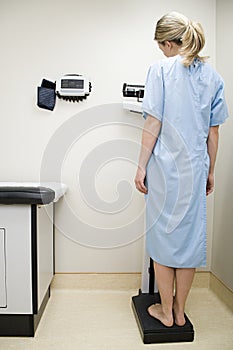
(185, 33)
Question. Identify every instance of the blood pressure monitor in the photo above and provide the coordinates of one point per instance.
(73, 87)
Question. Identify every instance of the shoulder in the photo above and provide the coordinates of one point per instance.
(166, 62)
(211, 73)
(164, 65)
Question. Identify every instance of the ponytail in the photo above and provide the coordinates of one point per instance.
(193, 41)
(188, 35)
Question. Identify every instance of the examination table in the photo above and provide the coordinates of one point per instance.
(26, 253)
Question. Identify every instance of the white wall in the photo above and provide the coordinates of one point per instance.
(222, 259)
(112, 43)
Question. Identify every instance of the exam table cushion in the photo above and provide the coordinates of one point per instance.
(26, 195)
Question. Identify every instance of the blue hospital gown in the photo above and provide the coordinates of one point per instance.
(187, 101)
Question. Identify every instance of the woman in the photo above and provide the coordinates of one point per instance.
(183, 106)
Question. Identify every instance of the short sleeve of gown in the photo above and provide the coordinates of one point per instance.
(219, 112)
(154, 93)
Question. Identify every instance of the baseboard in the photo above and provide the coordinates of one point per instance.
(201, 279)
(222, 291)
(108, 281)
(22, 325)
(97, 281)
(132, 281)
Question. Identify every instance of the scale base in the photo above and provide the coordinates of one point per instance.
(152, 330)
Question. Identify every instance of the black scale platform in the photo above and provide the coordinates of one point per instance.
(152, 330)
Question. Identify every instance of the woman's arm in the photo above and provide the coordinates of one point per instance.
(150, 134)
(212, 146)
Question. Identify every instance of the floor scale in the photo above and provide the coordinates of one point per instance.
(152, 330)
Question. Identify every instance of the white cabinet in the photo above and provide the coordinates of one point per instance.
(16, 219)
(3, 301)
(26, 266)
(26, 254)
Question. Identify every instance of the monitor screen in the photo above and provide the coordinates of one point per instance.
(72, 83)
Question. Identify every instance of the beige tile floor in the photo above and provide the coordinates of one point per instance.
(87, 312)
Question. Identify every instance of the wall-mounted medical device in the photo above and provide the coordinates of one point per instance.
(133, 95)
(133, 91)
(73, 87)
(70, 87)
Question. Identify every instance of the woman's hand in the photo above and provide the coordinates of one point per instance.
(139, 180)
(210, 184)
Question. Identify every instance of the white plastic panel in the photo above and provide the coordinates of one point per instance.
(3, 300)
(44, 249)
(16, 219)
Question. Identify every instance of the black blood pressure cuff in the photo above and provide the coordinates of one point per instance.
(46, 95)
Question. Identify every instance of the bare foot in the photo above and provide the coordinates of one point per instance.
(179, 316)
(156, 311)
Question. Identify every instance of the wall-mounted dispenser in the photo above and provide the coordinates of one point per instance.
(70, 87)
